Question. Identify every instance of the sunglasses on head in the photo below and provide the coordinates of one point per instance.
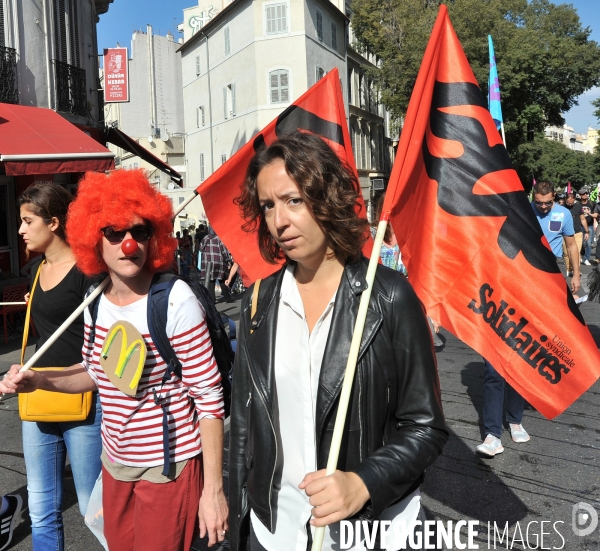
(139, 232)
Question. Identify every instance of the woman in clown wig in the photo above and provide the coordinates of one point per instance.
(119, 224)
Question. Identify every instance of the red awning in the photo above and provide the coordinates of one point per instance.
(34, 140)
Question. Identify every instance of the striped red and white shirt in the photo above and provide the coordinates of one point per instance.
(132, 432)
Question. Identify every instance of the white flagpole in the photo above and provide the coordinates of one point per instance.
(55, 336)
(503, 136)
(359, 326)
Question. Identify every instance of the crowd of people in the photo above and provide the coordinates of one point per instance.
(155, 435)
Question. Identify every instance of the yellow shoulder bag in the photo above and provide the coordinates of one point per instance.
(45, 406)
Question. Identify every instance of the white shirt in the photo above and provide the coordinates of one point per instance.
(298, 359)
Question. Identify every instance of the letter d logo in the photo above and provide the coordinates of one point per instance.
(585, 519)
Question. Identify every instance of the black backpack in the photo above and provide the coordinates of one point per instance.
(223, 344)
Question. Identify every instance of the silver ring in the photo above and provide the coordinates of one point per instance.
(223, 532)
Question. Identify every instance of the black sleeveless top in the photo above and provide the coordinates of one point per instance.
(49, 309)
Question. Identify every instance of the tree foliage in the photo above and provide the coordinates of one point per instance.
(545, 57)
(554, 162)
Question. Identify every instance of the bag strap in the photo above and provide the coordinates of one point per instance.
(254, 300)
(28, 313)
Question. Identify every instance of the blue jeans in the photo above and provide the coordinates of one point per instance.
(44, 447)
(497, 396)
(587, 246)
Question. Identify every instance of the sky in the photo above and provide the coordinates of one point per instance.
(124, 16)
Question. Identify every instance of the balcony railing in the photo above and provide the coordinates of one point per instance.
(9, 92)
(71, 93)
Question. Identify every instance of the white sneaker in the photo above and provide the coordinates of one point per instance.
(587, 262)
(490, 447)
(519, 434)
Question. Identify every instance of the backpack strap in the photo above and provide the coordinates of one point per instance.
(157, 313)
(93, 308)
(226, 320)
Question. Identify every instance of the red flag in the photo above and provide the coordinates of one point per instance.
(475, 252)
(321, 111)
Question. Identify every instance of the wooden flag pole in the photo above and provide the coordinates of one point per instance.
(12, 303)
(359, 326)
(56, 335)
(185, 203)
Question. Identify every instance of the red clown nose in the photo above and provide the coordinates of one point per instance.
(129, 247)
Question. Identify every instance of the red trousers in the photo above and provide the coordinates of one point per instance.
(143, 516)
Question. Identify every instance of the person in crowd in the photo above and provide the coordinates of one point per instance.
(153, 497)
(390, 250)
(213, 250)
(60, 289)
(10, 509)
(557, 224)
(588, 208)
(235, 281)
(580, 229)
(292, 355)
(499, 397)
(198, 237)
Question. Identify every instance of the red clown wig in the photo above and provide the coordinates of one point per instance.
(115, 200)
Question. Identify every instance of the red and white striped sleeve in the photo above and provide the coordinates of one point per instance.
(190, 340)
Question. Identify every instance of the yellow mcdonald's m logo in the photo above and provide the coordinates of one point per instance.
(126, 353)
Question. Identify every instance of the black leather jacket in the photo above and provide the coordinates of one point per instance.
(395, 427)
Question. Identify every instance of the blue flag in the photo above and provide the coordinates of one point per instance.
(494, 88)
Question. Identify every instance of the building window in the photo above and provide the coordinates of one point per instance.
(229, 100)
(363, 148)
(320, 26)
(197, 65)
(320, 73)
(276, 18)
(200, 116)
(66, 31)
(202, 167)
(227, 41)
(2, 39)
(223, 158)
(334, 36)
(279, 86)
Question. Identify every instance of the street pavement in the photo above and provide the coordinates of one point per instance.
(533, 486)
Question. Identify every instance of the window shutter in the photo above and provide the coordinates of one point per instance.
(320, 26)
(225, 101)
(202, 115)
(197, 65)
(227, 43)
(2, 39)
(284, 85)
(74, 33)
(334, 35)
(232, 86)
(282, 18)
(223, 158)
(270, 19)
(274, 84)
(197, 117)
(202, 167)
(60, 30)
